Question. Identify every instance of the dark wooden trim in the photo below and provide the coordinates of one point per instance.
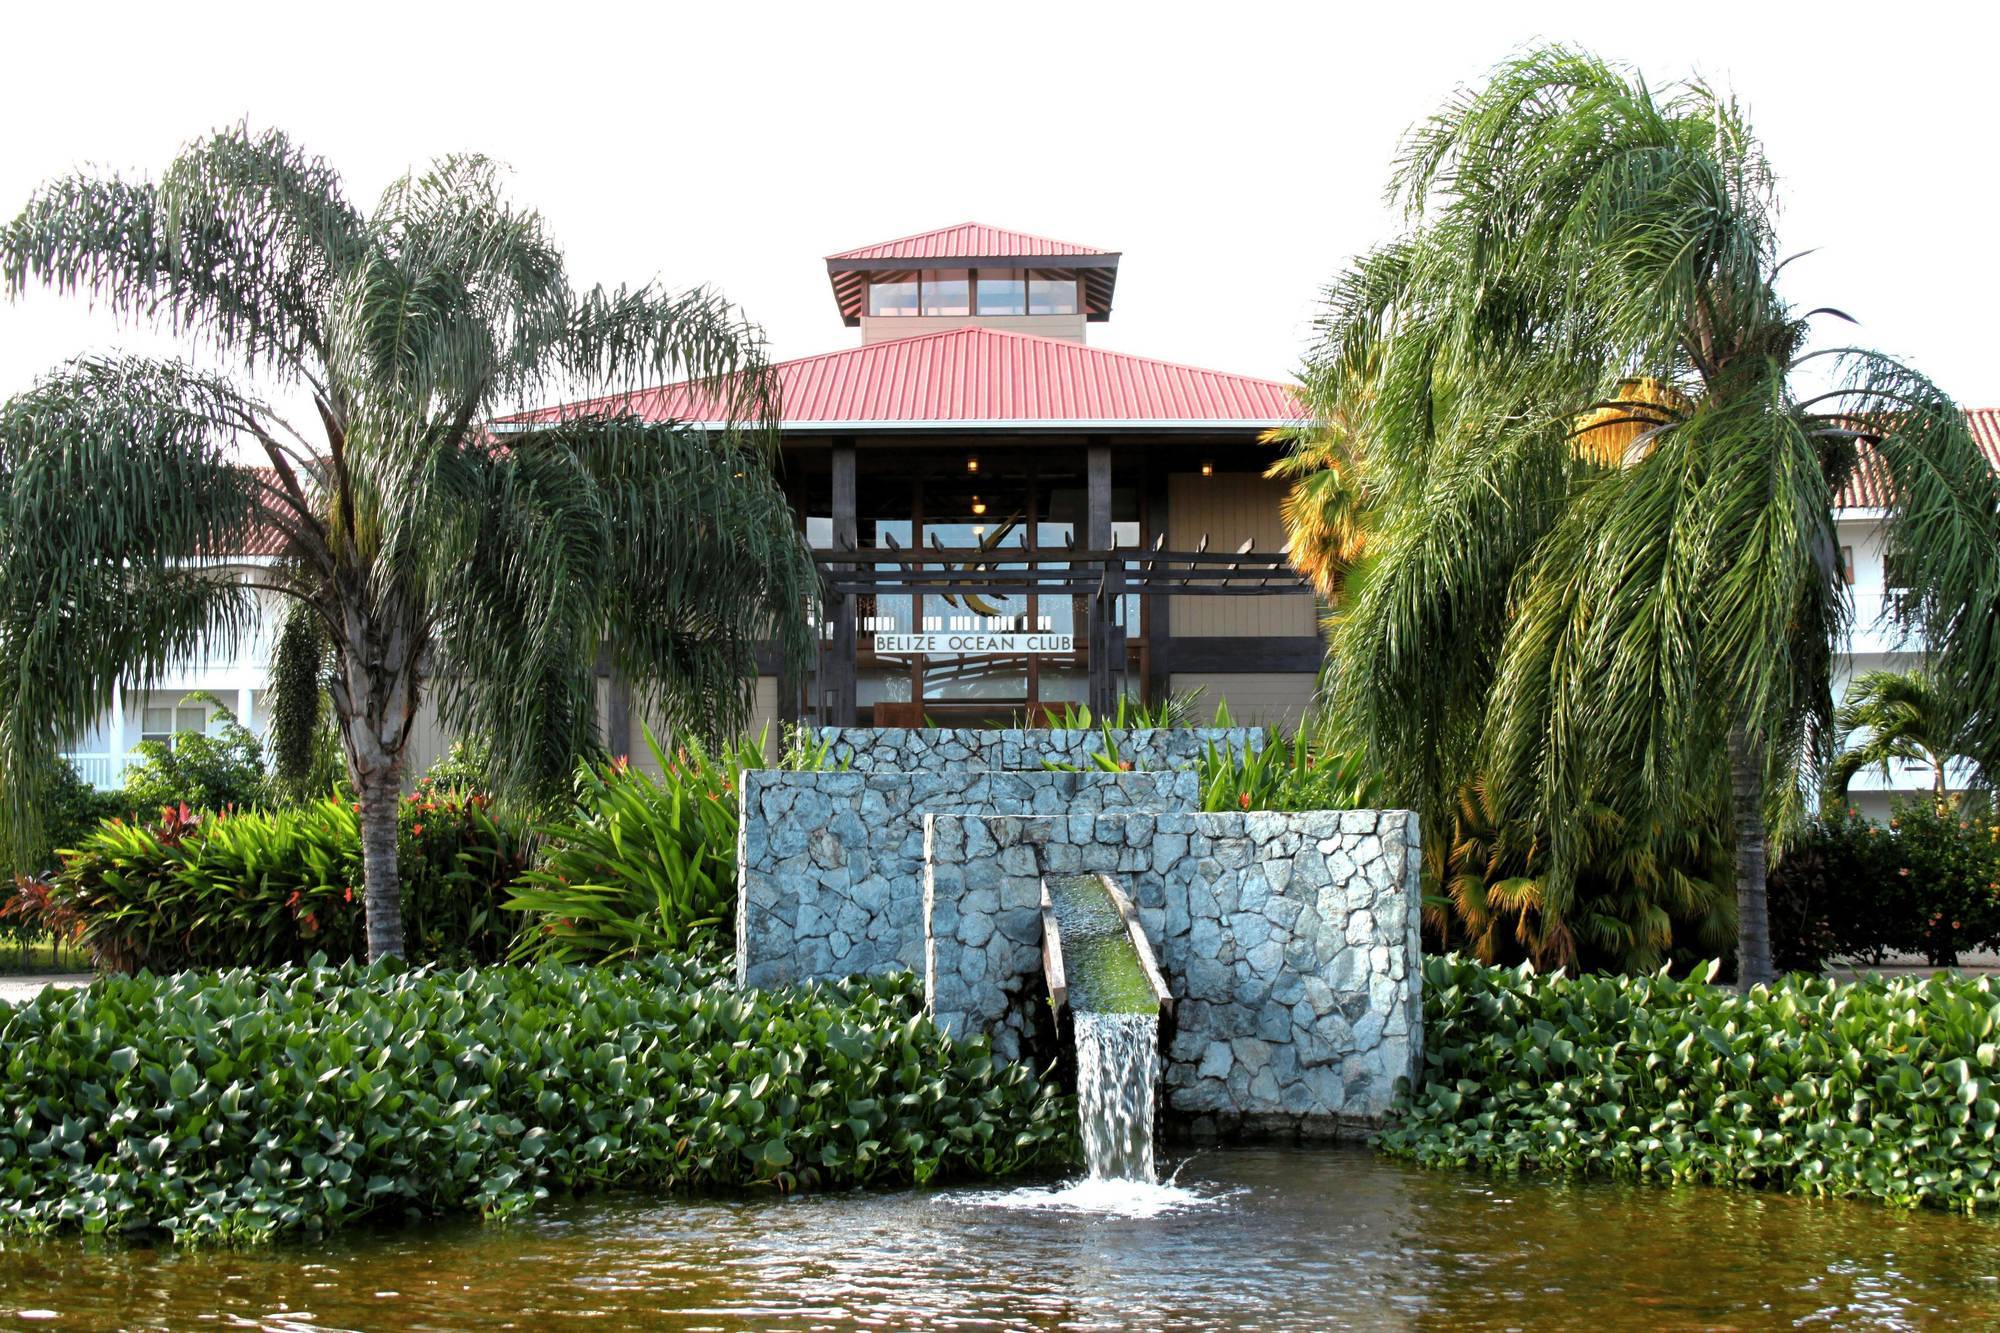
(839, 679)
(1243, 653)
(973, 261)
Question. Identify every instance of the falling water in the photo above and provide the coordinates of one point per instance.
(1117, 1067)
(1117, 1030)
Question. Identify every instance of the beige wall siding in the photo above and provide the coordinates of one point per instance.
(1256, 699)
(763, 721)
(875, 329)
(1229, 507)
(429, 742)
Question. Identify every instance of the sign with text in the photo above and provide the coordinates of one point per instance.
(974, 641)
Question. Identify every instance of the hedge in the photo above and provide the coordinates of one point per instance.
(1878, 1089)
(245, 1104)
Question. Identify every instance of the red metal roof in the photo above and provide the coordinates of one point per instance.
(1868, 488)
(967, 240)
(980, 376)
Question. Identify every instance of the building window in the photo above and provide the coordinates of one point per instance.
(1051, 294)
(1847, 565)
(1002, 292)
(893, 294)
(945, 291)
(166, 724)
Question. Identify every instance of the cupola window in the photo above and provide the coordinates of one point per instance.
(1051, 294)
(893, 294)
(1002, 291)
(945, 291)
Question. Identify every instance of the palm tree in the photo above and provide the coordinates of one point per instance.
(422, 553)
(1906, 716)
(1603, 571)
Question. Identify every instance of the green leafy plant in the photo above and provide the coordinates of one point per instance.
(246, 1104)
(644, 865)
(1174, 710)
(1291, 771)
(1883, 1090)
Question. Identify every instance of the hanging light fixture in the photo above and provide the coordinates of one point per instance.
(972, 462)
(1207, 467)
(978, 505)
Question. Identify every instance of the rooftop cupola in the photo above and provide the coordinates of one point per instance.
(972, 275)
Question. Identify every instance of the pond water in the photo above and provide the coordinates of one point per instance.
(1269, 1238)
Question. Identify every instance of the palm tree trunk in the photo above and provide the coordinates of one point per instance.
(382, 895)
(1753, 920)
(374, 691)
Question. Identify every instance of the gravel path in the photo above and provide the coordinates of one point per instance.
(16, 989)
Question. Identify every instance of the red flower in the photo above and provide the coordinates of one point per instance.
(347, 894)
(416, 830)
(1243, 799)
(293, 901)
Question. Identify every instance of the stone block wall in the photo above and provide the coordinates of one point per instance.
(937, 749)
(830, 865)
(1290, 942)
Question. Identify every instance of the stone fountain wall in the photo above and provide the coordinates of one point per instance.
(1013, 749)
(830, 865)
(1290, 941)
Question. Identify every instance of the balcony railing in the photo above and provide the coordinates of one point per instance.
(102, 771)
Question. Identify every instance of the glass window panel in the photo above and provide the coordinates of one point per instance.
(893, 294)
(1050, 295)
(192, 719)
(1002, 291)
(945, 291)
(157, 724)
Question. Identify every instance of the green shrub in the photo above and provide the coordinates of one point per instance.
(264, 888)
(1877, 1089)
(246, 1104)
(644, 865)
(1927, 884)
(219, 772)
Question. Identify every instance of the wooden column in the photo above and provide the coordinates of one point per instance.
(1105, 648)
(1158, 611)
(837, 686)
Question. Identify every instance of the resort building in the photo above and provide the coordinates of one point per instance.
(1011, 521)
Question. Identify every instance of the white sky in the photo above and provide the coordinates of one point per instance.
(1235, 153)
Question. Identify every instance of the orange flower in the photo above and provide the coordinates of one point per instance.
(1243, 799)
(416, 830)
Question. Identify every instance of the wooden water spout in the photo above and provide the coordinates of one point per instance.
(1098, 962)
(1077, 897)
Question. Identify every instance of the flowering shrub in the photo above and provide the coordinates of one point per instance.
(265, 888)
(1927, 883)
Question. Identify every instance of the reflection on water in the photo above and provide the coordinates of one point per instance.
(1275, 1239)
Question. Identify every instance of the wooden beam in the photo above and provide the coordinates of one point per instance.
(838, 687)
(1278, 652)
(1103, 691)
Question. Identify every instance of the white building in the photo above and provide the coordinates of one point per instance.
(1874, 644)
